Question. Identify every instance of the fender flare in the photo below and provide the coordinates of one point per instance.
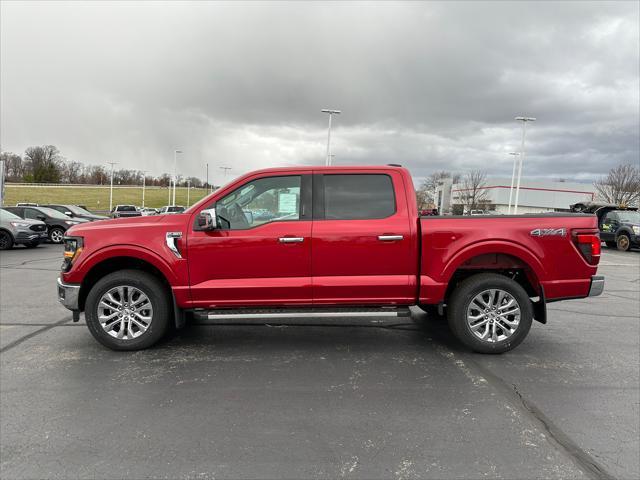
(128, 250)
(503, 247)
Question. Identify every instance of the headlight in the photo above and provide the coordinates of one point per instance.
(19, 224)
(636, 230)
(72, 248)
(71, 222)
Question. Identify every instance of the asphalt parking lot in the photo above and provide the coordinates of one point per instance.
(398, 399)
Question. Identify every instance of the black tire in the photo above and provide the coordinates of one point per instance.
(56, 235)
(623, 242)
(6, 240)
(467, 291)
(32, 244)
(611, 244)
(152, 288)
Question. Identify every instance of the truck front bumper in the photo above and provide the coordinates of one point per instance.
(68, 295)
(597, 285)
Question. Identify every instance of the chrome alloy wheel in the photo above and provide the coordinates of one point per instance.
(57, 235)
(493, 315)
(125, 312)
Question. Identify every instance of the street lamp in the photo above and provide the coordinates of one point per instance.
(331, 114)
(111, 188)
(175, 161)
(513, 177)
(226, 169)
(144, 181)
(524, 121)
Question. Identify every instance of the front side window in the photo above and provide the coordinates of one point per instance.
(358, 197)
(260, 201)
(31, 213)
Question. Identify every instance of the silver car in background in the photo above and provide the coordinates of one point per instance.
(15, 230)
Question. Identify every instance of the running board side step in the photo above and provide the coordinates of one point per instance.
(229, 314)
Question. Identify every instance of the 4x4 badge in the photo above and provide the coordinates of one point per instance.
(549, 232)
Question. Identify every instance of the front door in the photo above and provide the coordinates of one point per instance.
(261, 253)
(609, 226)
(363, 251)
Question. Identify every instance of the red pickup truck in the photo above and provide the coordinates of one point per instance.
(325, 241)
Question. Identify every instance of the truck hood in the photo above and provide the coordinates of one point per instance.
(117, 223)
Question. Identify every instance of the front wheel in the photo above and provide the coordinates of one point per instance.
(490, 313)
(128, 310)
(56, 235)
(623, 243)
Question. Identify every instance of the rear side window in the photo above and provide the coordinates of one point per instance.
(358, 197)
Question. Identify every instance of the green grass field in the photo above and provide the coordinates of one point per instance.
(97, 198)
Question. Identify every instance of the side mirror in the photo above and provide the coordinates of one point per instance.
(42, 217)
(207, 219)
(68, 214)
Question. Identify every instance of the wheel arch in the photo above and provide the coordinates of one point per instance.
(508, 259)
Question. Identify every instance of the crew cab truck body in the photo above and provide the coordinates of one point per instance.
(338, 241)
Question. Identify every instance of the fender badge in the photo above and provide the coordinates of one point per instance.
(549, 232)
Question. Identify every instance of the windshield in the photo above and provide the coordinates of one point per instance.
(50, 212)
(5, 215)
(627, 216)
(78, 210)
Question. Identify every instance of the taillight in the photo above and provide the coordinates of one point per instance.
(589, 246)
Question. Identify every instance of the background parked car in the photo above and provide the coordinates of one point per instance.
(168, 209)
(74, 211)
(15, 230)
(57, 223)
(123, 211)
(148, 211)
(619, 226)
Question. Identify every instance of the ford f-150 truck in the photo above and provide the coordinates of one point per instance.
(338, 241)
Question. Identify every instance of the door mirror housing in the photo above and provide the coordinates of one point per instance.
(207, 220)
(42, 217)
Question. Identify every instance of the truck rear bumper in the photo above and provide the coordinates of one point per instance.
(597, 285)
(68, 295)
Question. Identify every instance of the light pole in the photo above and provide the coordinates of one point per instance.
(144, 182)
(513, 177)
(1, 182)
(226, 169)
(188, 191)
(331, 114)
(175, 161)
(111, 188)
(206, 184)
(524, 121)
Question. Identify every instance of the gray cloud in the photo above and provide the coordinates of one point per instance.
(430, 85)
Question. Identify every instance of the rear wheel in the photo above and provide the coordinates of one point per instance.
(56, 235)
(6, 240)
(611, 244)
(623, 243)
(490, 313)
(128, 310)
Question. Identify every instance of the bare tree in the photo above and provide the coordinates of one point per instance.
(43, 163)
(14, 167)
(621, 186)
(473, 190)
(425, 194)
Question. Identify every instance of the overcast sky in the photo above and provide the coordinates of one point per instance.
(429, 85)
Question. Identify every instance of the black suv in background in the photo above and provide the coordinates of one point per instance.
(619, 227)
(57, 223)
(74, 211)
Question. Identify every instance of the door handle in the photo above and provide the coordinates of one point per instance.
(390, 238)
(291, 239)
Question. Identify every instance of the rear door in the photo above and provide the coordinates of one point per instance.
(362, 245)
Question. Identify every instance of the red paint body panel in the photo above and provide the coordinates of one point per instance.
(339, 261)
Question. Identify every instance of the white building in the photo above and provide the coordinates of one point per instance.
(536, 196)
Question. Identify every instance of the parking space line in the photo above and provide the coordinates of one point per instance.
(17, 342)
